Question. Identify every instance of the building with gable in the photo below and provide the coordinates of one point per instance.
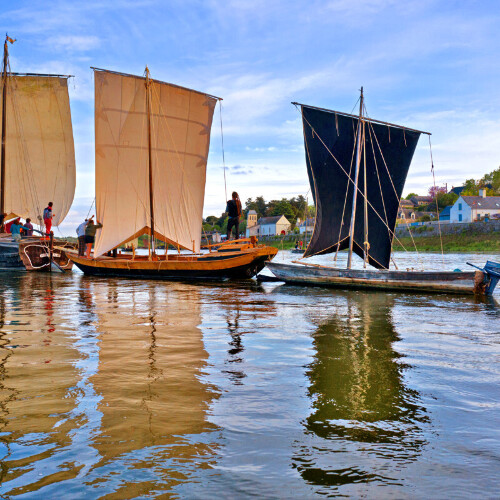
(268, 226)
(421, 200)
(472, 208)
(306, 226)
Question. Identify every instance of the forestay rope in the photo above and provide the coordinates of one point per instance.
(223, 156)
(437, 202)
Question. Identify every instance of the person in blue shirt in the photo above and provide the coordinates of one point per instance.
(15, 230)
(17, 226)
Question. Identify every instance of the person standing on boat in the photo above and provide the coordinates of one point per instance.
(233, 209)
(90, 231)
(28, 228)
(80, 231)
(47, 218)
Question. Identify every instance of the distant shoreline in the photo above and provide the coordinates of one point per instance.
(452, 243)
(469, 242)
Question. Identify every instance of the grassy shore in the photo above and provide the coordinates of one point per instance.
(282, 245)
(453, 243)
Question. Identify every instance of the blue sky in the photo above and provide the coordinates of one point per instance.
(431, 65)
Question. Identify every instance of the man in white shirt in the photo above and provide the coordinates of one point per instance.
(80, 231)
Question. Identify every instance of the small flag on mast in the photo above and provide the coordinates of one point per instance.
(11, 40)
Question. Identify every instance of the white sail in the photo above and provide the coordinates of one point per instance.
(39, 148)
(181, 120)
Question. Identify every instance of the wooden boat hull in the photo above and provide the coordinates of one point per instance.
(10, 259)
(32, 254)
(36, 257)
(242, 264)
(474, 282)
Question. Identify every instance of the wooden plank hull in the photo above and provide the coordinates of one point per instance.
(31, 254)
(9, 256)
(35, 255)
(416, 281)
(216, 265)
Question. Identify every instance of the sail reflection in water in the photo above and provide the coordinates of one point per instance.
(364, 420)
(128, 400)
(152, 400)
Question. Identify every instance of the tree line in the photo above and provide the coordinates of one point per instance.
(292, 208)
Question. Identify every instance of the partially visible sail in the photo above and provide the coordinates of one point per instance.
(39, 148)
(330, 140)
(181, 120)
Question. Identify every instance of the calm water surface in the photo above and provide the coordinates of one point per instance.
(122, 389)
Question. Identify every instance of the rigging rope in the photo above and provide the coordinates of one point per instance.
(88, 213)
(223, 156)
(370, 129)
(354, 184)
(437, 204)
(397, 197)
(346, 193)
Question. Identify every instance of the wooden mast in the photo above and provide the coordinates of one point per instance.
(4, 129)
(356, 176)
(150, 162)
(366, 245)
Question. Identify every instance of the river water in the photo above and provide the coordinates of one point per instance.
(132, 389)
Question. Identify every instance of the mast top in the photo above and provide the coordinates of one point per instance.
(9, 39)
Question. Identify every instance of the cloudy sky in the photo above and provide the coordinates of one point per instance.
(428, 64)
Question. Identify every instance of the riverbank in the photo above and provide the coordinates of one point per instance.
(465, 242)
(452, 243)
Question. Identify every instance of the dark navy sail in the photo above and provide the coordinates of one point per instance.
(330, 140)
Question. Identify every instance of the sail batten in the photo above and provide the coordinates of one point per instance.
(329, 141)
(39, 151)
(180, 124)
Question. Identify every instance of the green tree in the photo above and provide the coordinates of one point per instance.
(471, 188)
(493, 178)
(410, 196)
(259, 205)
(445, 199)
(211, 219)
(283, 207)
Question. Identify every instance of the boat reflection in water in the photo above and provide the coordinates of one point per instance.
(125, 398)
(38, 386)
(366, 424)
(149, 380)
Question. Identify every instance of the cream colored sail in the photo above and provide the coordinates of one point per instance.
(39, 148)
(181, 120)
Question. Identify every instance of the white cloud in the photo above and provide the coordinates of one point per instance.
(75, 43)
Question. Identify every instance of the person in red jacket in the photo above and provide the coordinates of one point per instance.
(47, 218)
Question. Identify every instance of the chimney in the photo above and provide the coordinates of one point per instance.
(482, 192)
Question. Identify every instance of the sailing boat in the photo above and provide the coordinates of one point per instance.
(357, 168)
(151, 146)
(37, 162)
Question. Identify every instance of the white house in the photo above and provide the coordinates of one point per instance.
(269, 226)
(306, 225)
(471, 208)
